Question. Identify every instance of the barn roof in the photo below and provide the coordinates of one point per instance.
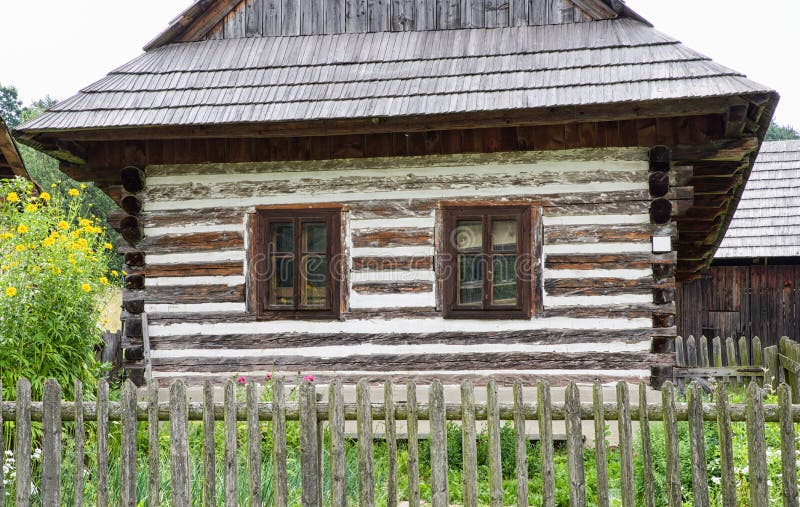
(391, 74)
(11, 163)
(767, 221)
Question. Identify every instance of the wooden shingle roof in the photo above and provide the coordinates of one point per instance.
(11, 163)
(392, 74)
(767, 220)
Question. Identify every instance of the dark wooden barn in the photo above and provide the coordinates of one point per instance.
(753, 285)
(412, 189)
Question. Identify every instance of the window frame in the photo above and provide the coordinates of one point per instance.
(260, 252)
(524, 216)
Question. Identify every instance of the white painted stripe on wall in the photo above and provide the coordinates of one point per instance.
(411, 300)
(596, 220)
(190, 228)
(598, 248)
(234, 308)
(394, 275)
(624, 299)
(625, 274)
(169, 281)
(395, 251)
(370, 349)
(258, 374)
(406, 325)
(394, 223)
(306, 198)
(196, 257)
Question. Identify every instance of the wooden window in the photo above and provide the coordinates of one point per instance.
(297, 263)
(487, 262)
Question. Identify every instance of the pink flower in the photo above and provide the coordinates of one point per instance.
(309, 378)
(268, 377)
(241, 380)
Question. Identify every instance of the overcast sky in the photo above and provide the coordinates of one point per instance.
(56, 47)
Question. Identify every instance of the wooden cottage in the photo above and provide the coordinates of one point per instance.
(11, 163)
(753, 285)
(411, 189)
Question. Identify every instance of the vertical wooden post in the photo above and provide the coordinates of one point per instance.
(153, 475)
(391, 444)
(231, 466)
(788, 448)
(703, 351)
(438, 433)
(725, 446)
(756, 446)
(102, 443)
(671, 444)
(680, 352)
(771, 366)
(209, 448)
(279, 442)
(521, 447)
(744, 351)
(730, 352)
(366, 486)
(698, 446)
(691, 352)
(254, 444)
(309, 457)
(625, 445)
(22, 443)
(80, 443)
(51, 443)
(493, 428)
(546, 441)
(600, 445)
(647, 451)
(577, 480)
(127, 471)
(469, 445)
(717, 346)
(179, 443)
(413, 447)
(337, 449)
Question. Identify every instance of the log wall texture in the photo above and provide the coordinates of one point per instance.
(597, 287)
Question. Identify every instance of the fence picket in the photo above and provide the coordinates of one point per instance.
(153, 475)
(788, 458)
(493, 428)
(469, 444)
(546, 442)
(600, 445)
(179, 443)
(716, 345)
(756, 446)
(279, 442)
(671, 445)
(744, 351)
(230, 463)
(438, 435)
(366, 485)
(253, 444)
(730, 350)
(728, 481)
(771, 366)
(391, 445)
(691, 352)
(102, 443)
(577, 479)
(22, 443)
(521, 447)
(127, 473)
(625, 445)
(338, 462)
(698, 446)
(51, 443)
(680, 352)
(80, 443)
(209, 448)
(703, 351)
(413, 445)
(647, 451)
(309, 452)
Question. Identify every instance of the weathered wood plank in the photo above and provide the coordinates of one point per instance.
(391, 444)
(51, 443)
(230, 471)
(128, 447)
(647, 451)
(698, 446)
(756, 446)
(597, 286)
(199, 269)
(520, 446)
(728, 480)
(355, 16)
(392, 263)
(209, 450)
(493, 429)
(577, 480)
(600, 445)
(253, 445)
(191, 294)
(671, 445)
(179, 444)
(102, 443)
(385, 238)
(625, 445)
(469, 445)
(338, 464)
(606, 261)
(22, 443)
(80, 444)
(153, 448)
(788, 448)
(366, 483)
(279, 443)
(597, 233)
(309, 451)
(392, 287)
(438, 436)
(413, 445)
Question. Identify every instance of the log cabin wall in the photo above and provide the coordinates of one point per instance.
(598, 278)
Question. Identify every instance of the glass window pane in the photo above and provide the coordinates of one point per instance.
(314, 237)
(504, 280)
(468, 236)
(315, 274)
(504, 235)
(282, 282)
(470, 280)
(282, 237)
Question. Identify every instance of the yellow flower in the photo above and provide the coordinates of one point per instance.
(104, 280)
(30, 208)
(63, 225)
(73, 192)
(84, 222)
(20, 248)
(12, 197)
(6, 235)
(44, 196)
(11, 292)
(114, 272)
(22, 229)
(85, 287)
(83, 185)
(109, 246)
(83, 242)
(124, 273)
(48, 241)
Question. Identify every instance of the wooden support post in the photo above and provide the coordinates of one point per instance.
(102, 443)
(625, 446)
(546, 439)
(788, 448)
(254, 444)
(698, 446)
(728, 480)
(366, 484)
(230, 473)
(51, 443)
(279, 442)
(577, 479)
(756, 446)
(179, 444)
(80, 443)
(469, 444)
(413, 445)
(438, 434)
(22, 443)
(671, 443)
(309, 457)
(647, 451)
(128, 447)
(521, 446)
(391, 444)
(600, 445)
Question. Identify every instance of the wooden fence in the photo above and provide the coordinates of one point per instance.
(313, 413)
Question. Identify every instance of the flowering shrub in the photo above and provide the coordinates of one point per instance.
(54, 277)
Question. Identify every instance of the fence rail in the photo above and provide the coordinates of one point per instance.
(315, 416)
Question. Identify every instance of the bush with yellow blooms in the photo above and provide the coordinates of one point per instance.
(54, 280)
